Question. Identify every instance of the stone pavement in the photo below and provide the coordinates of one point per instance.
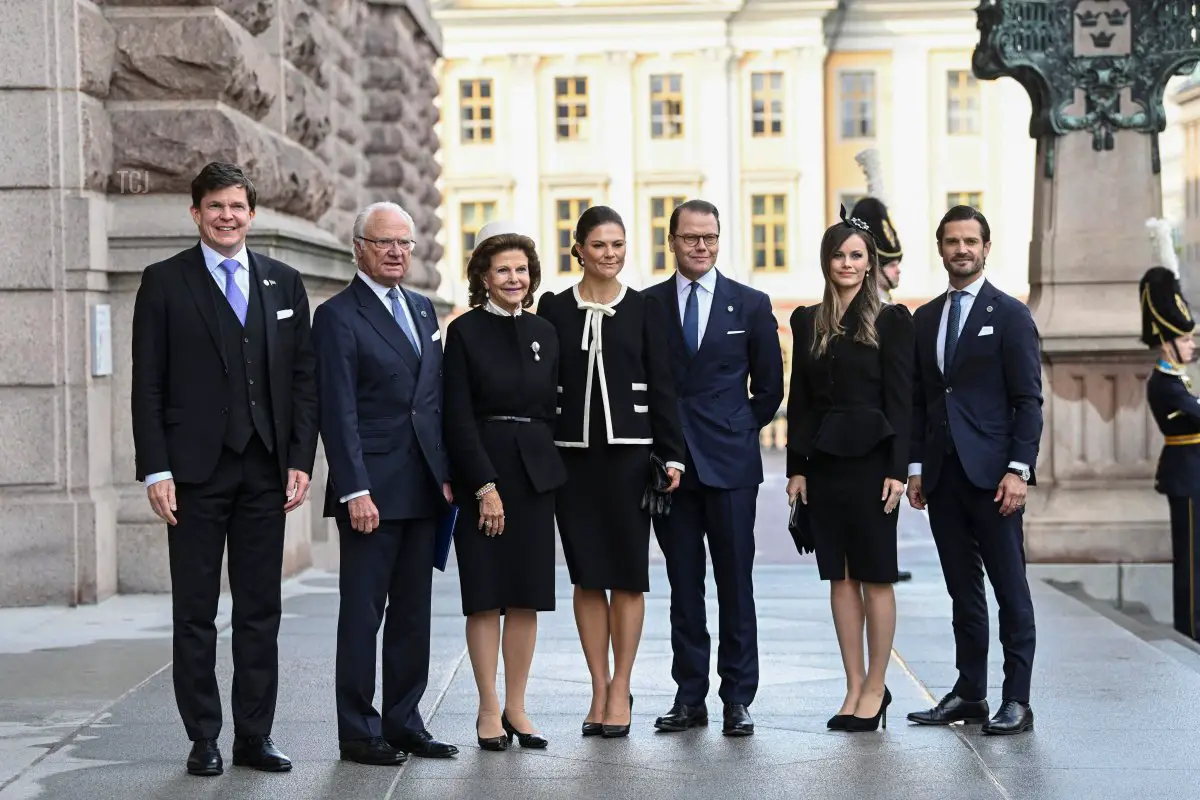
(87, 710)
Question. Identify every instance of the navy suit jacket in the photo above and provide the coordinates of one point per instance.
(720, 421)
(990, 398)
(380, 407)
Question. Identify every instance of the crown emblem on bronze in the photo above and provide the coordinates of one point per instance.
(1103, 38)
(1117, 16)
(1088, 19)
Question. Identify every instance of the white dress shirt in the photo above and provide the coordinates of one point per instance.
(970, 292)
(704, 298)
(212, 260)
(381, 292)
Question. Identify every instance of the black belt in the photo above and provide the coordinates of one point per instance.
(509, 419)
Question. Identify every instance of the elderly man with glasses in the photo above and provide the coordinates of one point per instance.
(379, 363)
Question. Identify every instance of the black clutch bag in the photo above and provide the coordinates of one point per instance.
(656, 499)
(800, 527)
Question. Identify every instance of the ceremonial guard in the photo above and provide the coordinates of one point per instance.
(1167, 325)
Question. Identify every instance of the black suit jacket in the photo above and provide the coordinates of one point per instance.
(181, 390)
(989, 399)
(381, 406)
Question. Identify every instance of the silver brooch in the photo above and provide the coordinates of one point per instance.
(989, 309)
(536, 348)
(729, 308)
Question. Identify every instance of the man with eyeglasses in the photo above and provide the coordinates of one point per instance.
(723, 336)
(379, 367)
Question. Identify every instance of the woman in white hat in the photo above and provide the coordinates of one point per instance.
(500, 384)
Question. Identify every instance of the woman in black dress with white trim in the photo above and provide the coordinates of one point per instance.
(500, 387)
(616, 406)
(849, 417)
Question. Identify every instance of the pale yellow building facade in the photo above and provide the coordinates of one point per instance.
(759, 106)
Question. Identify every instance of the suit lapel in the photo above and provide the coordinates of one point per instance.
(667, 294)
(384, 324)
(260, 284)
(981, 312)
(423, 327)
(929, 333)
(200, 283)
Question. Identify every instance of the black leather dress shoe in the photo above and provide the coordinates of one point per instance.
(1013, 717)
(737, 720)
(422, 744)
(952, 708)
(205, 758)
(259, 752)
(375, 752)
(681, 717)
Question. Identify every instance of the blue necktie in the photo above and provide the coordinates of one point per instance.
(401, 320)
(952, 325)
(232, 293)
(691, 320)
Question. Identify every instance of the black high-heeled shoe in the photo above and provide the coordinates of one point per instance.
(838, 722)
(861, 724)
(495, 744)
(534, 741)
(617, 731)
(592, 728)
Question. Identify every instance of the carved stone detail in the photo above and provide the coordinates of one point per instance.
(97, 144)
(97, 52)
(307, 109)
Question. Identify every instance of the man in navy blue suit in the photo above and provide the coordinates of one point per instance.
(379, 368)
(977, 423)
(722, 334)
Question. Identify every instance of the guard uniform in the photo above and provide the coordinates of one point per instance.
(1165, 317)
(874, 212)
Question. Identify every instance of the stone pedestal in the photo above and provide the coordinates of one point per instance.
(1095, 500)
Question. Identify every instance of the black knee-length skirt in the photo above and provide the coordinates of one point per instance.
(853, 534)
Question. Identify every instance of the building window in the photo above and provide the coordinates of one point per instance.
(660, 223)
(472, 217)
(666, 106)
(566, 213)
(857, 96)
(571, 108)
(768, 223)
(475, 104)
(766, 103)
(973, 199)
(962, 103)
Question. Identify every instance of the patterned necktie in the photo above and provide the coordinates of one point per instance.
(401, 320)
(952, 325)
(691, 320)
(232, 293)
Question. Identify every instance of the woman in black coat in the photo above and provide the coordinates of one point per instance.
(500, 386)
(617, 405)
(849, 415)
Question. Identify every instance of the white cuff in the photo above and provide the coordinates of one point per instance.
(1018, 465)
(350, 497)
(156, 477)
(914, 469)
(676, 465)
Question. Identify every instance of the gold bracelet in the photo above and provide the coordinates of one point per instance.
(487, 487)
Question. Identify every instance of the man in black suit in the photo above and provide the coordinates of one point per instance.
(225, 432)
(379, 362)
(728, 370)
(977, 424)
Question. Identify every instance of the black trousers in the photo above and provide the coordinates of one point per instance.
(971, 535)
(393, 567)
(726, 516)
(242, 501)
(1185, 558)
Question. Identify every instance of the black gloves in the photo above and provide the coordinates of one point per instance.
(656, 499)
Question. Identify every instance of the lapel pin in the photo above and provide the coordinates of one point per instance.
(729, 308)
(989, 308)
(536, 348)
(423, 314)
(266, 282)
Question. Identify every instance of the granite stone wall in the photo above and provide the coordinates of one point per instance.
(110, 108)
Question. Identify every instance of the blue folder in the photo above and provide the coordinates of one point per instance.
(445, 535)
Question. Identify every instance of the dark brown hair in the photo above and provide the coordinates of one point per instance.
(965, 214)
(216, 176)
(481, 262)
(866, 304)
(589, 220)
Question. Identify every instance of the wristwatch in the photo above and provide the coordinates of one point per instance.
(1023, 474)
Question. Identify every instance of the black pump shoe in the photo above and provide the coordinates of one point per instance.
(617, 731)
(495, 744)
(860, 724)
(533, 741)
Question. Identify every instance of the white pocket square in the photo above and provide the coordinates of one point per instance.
(284, 313)
(436, 335)
(731, 333)
(986, 330)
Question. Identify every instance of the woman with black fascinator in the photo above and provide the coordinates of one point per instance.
(849, 413)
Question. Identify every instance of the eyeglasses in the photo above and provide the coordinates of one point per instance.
(691, 239)
(383, 245)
